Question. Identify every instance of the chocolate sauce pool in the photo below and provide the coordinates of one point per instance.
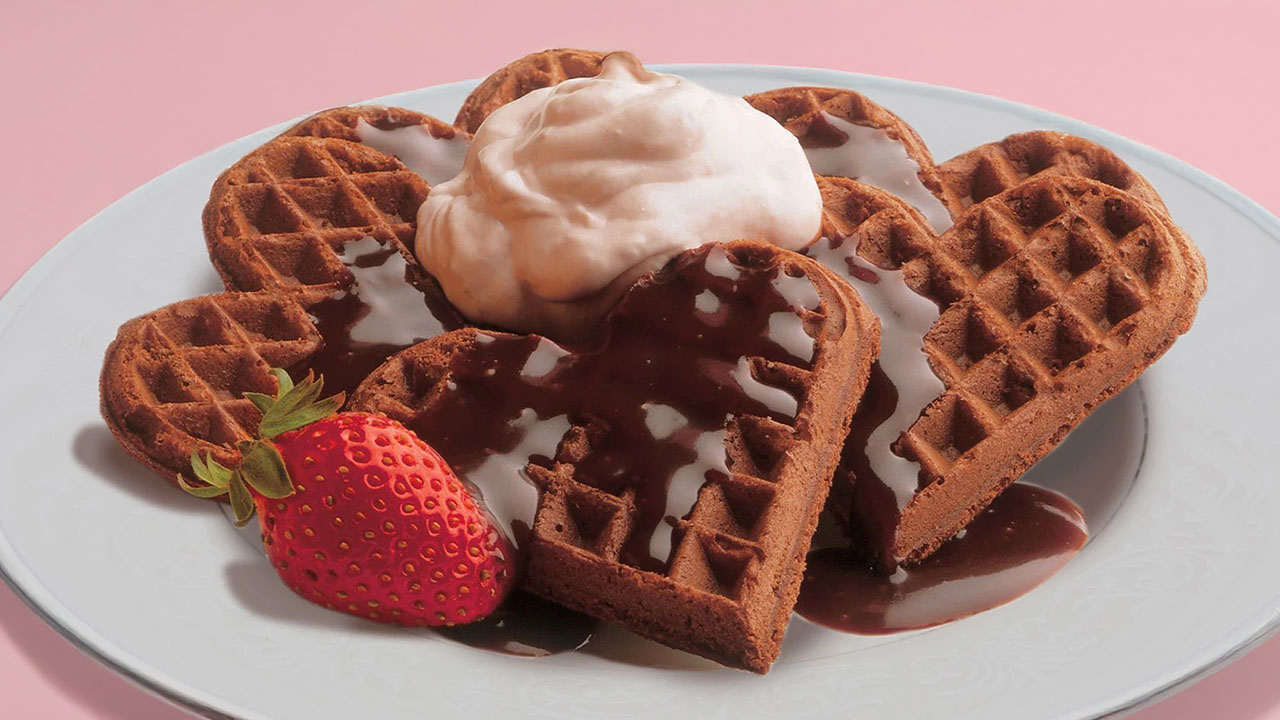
(1022, 539)
(526, 626)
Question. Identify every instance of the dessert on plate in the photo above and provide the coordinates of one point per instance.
(615, 341)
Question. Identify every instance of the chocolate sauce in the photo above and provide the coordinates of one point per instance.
(837, 147)
(525, 625)
(378, 313)
(434, 159)
(649, 403)
(1022, 539)
(874, 480)
(873, 506)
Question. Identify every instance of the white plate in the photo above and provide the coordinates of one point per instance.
(1177, 475)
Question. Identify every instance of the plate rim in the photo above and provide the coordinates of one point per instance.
(155, 681)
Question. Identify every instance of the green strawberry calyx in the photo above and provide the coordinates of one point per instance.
(261, 466)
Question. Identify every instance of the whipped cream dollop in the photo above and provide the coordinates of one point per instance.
(572, 192)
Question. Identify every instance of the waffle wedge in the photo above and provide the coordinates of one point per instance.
(1055, 294)
(278, 217)
(675, 379)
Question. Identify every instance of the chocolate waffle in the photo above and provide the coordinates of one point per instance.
(726, 379)
(990, 169)
(995, 167)
(295, 224)
(907, 525)
(343, 122)
(844, 134)
(277, 218)
(1054, 295)
(173, 380)
(533, 71)
(808, 113)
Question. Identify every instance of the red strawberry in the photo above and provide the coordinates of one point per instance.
(361, 516)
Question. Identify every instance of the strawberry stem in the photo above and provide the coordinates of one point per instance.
(294, 406)
(261, 466)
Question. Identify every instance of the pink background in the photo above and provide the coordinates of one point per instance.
(104, 96)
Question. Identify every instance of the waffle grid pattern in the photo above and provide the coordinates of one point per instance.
(276, 219)
(179, 375)
(719, 552)
(1042, 285)
(990, 169)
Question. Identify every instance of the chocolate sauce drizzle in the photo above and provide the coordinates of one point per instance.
(650, 403)
(378, 312)
(872, 503)
(878, 480)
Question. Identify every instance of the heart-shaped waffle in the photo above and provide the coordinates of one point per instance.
(278, 217)
(299, 225)
(1055, 294)
(1060, 281)
(173, 380)
(716, 396)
